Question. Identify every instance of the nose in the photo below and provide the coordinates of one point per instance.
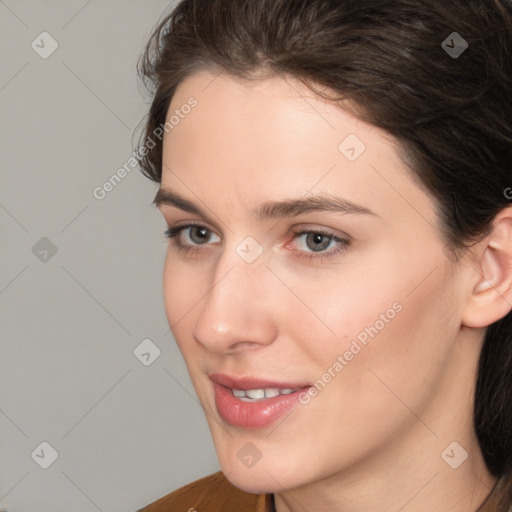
(237, 312)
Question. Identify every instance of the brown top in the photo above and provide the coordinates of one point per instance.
(213, 493)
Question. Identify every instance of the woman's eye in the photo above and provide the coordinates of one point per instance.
(315, 244)
(191, 235)
(197, 235)
(308, 244)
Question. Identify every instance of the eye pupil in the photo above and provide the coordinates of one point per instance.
(319, 242)
(199, 234)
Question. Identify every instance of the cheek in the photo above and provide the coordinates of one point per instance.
(405, 352)
(339, 312)
(180, 292)
(171, 282)
(378, 367)
(377, 318)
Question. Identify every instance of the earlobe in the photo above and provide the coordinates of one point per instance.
(491, 296)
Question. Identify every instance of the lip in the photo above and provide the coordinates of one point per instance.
(258, 414)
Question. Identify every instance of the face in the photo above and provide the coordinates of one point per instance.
(303, 257)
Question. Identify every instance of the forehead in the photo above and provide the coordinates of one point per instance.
(276, 105)
(275, 137)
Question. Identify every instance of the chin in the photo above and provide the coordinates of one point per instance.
(263, 478)
(254, 483)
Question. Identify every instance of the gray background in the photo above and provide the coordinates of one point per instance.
(125, 433)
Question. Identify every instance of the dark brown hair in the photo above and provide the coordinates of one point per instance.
(450, 113)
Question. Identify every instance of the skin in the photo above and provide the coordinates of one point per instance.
(372, 438)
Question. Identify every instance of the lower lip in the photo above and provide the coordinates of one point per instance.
(255, 414)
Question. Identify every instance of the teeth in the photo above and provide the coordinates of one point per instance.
(249, 395)
(255, 393)
(271, 392)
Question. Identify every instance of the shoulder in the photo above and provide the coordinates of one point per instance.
(213, 493)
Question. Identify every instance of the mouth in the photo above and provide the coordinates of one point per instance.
(253, 402)
(257, 395)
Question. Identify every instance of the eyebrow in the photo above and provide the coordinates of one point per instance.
(273, 209)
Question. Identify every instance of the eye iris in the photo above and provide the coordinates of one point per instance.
(199, 234)
(319, 241)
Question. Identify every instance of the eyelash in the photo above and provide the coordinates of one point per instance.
(173, 232)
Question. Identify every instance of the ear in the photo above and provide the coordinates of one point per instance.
(491, 296)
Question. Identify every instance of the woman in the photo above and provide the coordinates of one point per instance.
(336, 175)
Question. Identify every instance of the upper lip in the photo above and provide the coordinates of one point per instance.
(244, 383)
